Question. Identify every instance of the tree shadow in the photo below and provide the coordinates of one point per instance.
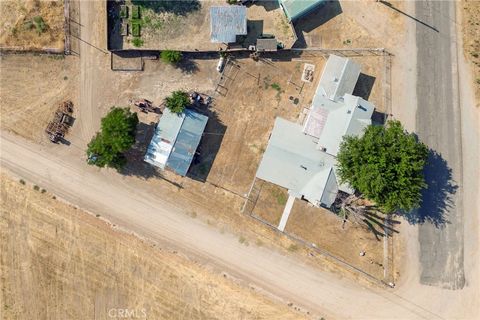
(209, 145)
(187, 66)
(321, 15)
(178, 7)
(437, 197)
(364, 86)
(136, 166)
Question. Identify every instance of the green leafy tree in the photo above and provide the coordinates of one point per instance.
(385, 165)
(171, 56)
(117, 135)
(177, 102)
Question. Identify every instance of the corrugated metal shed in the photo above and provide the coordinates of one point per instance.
(338, 78)
(187, 142)
(227, 22)
(175, 140)
(164, 138)
(295, 9)
(267, 44)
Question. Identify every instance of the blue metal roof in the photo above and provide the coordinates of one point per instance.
(175, 141)
(227, 22)
(188, 139)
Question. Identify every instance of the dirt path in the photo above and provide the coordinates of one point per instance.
(151, 216)
(94, 60)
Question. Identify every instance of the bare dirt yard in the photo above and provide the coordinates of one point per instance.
(32, 24)
(58, 262)
(324, 229)
(471, 39)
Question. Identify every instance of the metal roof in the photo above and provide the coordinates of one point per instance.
(349, 117)
(227, 22)
(292, 161)
(295, 9)
(338, 78)
(175, 140)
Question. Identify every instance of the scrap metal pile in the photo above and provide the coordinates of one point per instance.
(62, 120)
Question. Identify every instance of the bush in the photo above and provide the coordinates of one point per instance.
(123, 11)
(171, 56)
(137, 42)
(276, 86)
(39, 24)
(135, 12)
(22, 181)
(136, 29)
(36, 188)
(177, 102)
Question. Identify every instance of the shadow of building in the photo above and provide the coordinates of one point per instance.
(308, 23)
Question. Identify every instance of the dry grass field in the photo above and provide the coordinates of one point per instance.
(471, 39)
(32, 24)
(57, 262)
(32, 87)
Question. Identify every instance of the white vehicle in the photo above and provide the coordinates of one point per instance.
(221, 64)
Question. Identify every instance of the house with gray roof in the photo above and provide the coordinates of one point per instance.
(175, 140)
(302, 158)
(227, 22)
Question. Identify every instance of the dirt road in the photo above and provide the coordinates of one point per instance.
(149, 215)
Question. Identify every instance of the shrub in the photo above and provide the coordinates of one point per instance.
(135, 12)
(276, 86)
(137, 42)
(177, 102)
(123, 11)
(39, 24)
(36, 188)
(136, 29)
(171, 56)
(22, 181)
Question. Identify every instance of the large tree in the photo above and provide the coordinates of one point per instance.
(177, 102)
(117, 135)
(385, 165)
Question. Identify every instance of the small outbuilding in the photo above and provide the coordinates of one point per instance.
(227, 22)
(175, 140)
(270, 44)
